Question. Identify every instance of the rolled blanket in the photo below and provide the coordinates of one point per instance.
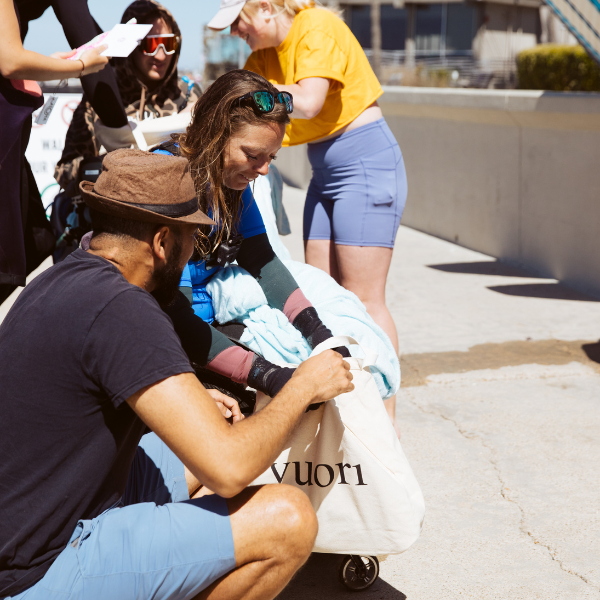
(237, 296)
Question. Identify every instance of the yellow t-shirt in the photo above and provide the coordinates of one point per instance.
(320, 44)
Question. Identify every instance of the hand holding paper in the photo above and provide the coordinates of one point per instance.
(94, 60)
(120, 41)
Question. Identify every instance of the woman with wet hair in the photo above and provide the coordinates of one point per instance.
(237, 128)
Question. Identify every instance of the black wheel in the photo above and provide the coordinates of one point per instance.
(358, 573)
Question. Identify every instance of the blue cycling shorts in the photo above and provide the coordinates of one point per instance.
(156, 544)
(358, 189)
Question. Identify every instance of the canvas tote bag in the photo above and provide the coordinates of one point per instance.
(348, 460)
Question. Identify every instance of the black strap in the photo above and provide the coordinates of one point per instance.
(170, 146)
(169, 210)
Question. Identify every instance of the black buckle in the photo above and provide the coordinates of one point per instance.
(225, 253)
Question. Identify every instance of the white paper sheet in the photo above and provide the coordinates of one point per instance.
(122, 40)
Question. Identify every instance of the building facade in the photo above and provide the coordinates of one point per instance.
(475, 42)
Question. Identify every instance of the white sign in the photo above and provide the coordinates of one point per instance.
(47, 142)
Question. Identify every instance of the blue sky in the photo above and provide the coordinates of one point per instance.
(46, 36)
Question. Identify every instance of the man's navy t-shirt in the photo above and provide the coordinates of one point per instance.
(77, 343)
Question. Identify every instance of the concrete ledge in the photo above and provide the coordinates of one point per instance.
(512, 174)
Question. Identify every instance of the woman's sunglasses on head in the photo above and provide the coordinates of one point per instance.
(151, 43)
(265, 101)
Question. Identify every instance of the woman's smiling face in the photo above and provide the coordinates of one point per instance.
(249, 153)
(258, 29)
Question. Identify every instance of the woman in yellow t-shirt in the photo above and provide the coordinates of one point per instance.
(358, 189)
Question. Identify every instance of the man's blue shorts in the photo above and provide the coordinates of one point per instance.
(358, 189)
(156, 544)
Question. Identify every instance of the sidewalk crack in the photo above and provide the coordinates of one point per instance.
(470, 435)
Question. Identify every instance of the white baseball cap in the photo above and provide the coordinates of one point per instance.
(228, 13)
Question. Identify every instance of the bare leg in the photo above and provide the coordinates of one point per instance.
(363, 270)
(321, 254)
(193, 484)
(274, 529)
(390, 407)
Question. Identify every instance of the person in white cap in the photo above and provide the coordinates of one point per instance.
(229, 11)
(355, 202)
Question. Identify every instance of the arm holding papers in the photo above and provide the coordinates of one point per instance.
(18, 63)
(101, 88)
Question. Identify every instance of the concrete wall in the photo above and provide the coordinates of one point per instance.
(513, 174)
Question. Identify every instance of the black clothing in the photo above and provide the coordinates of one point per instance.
(307, 322)
(15, 125)
(25, 238)
(258, 258)
(255, 253)
(80, 27)
(267, 377)
(77, 343)
(200, 341)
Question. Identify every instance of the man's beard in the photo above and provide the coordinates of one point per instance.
(167, 278)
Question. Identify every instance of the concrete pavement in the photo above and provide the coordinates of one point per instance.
(500, 415)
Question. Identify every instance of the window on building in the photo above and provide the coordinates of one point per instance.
(439, 28)
(428, 28)
(460, 27)
(358, 19)
(530, 21)
(393, 27)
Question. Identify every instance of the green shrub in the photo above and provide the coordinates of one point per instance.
(558, 68)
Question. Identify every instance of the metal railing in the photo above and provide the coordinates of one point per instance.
(461, 68)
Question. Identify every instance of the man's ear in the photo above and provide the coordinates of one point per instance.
(159, 243)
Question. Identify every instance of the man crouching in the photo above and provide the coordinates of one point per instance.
(89, 361)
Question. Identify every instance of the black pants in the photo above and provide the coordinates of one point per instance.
(26, 239)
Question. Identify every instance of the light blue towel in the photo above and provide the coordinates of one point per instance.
(237, 296)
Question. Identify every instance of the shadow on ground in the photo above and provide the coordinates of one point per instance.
(416, 368)
(485, 267)
(551, 291)
(318, 580)
(592, 351)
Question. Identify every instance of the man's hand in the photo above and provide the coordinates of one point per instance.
(325, 376)
(227, 458)
(229, 407)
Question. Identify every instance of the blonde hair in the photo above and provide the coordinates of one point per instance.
(289, 8)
